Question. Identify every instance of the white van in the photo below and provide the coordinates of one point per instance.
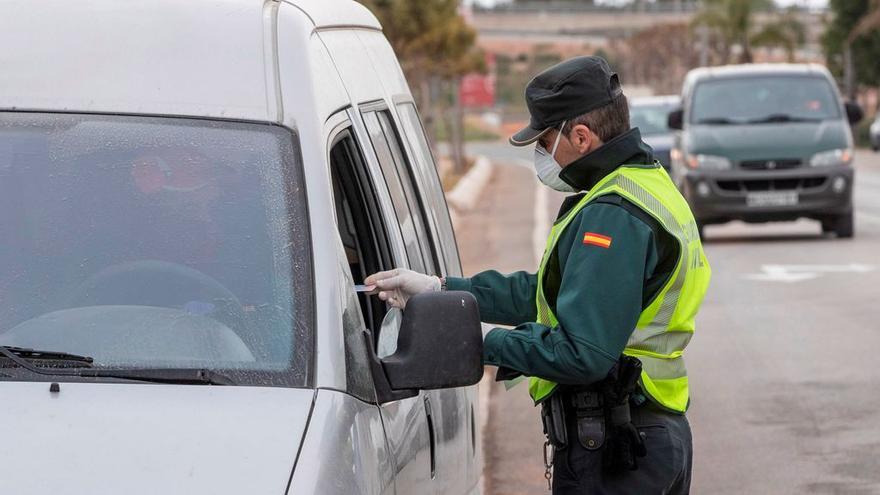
(189, 192)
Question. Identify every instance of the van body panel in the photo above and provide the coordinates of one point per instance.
(799, 140)
(384, 62)
(327, 14)
(197, 58)
(354, 65)
(308, 102)
(147, 438)
(344, 450)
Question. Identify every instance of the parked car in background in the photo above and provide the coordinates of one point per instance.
(765, 143)
(189, 192)
(875, 133)
(649, 114)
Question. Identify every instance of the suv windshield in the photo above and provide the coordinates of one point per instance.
(764, 99)
(151, 243)
(650, 118)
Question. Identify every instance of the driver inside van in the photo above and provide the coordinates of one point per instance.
(183, 191)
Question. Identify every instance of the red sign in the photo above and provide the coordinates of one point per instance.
(478, 90)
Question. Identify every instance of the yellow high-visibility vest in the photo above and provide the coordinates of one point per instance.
(666, 325)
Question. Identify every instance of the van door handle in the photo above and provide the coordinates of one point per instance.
(431, 436)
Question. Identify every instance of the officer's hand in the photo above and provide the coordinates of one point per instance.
(398, 285)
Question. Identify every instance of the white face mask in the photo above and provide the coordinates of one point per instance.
(548, 168)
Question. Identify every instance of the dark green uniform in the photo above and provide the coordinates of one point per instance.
(602, 294)
(597, 294)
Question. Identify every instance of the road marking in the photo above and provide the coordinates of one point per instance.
(868, 217)
(542, 222)
(800, 273)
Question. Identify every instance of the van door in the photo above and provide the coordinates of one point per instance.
(459, 464)
(446, 409)
(379, 225)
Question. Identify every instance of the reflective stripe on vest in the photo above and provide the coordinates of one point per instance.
(666, 325)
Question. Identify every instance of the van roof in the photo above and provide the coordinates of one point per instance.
(337, 13)
(655, 100)
(206, 58)
(741, 70)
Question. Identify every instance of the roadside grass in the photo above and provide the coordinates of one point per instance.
(449, 177)
(472, 132)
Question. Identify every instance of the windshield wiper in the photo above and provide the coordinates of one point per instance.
(184, 376)
(781, 117)
(718, 121)
(181, 376)
(20, 356)
(28, 353)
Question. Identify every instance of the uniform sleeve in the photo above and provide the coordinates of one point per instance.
(504, 299)
(599, 302)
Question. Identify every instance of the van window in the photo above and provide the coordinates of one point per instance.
(365, 240)
(365, 249)
(155, 243)
(427, 176)
(650, 118)
(419, 248)
(764, 99)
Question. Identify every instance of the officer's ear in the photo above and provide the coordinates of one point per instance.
(583, 139)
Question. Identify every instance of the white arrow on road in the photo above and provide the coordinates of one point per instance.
(799, 273)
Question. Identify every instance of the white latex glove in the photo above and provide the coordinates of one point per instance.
(398, 285)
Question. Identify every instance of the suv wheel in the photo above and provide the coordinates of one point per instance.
(842, 225)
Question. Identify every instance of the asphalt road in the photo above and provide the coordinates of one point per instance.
(782, 367)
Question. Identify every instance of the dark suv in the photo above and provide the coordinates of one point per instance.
(764, 143)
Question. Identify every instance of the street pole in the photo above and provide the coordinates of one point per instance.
(703, 31)
(848, 72)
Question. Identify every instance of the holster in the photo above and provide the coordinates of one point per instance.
(626, 444)
(590, 416)
(553, 420)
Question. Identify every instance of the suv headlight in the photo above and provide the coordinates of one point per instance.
(708, 162)
(830, 158)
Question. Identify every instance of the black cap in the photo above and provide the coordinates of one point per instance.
(566, 90)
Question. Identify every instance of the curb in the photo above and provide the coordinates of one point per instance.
(464, 195)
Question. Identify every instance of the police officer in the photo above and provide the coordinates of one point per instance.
(601, 327)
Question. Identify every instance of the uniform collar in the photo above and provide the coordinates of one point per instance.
(589, 169)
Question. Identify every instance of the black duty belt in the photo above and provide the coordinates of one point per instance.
(600, 416)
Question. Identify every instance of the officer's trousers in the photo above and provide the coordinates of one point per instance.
(665, 470)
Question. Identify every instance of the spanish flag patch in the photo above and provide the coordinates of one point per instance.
(603, 241)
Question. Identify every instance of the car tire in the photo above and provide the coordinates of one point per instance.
(842, 225)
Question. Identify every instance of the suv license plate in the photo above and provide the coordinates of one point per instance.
(771, 198)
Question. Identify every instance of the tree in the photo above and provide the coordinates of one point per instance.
(659, 57)
(435, 47)
(852, 42)
(787, 32)
(733, 23)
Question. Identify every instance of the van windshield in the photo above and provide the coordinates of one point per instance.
(764, 99)
(151, 243)
(650, 118)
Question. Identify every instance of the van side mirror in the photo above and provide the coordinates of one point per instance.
(440, 344)
(675, 119)
(854, 112)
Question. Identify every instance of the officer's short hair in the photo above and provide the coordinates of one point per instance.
(607, 122)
